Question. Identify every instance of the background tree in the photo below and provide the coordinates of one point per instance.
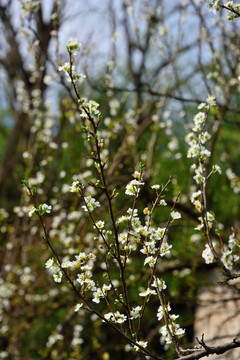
(152, 68)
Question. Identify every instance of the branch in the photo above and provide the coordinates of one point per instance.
(230, 8)
(157, 93)
(210, 350)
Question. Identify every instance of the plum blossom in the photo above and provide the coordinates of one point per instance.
(90, 204)
(140, 343)
(175, 215)
(49, 263)
(74, 188)
(78, 307)
(135, 312)
(208, 255)
(133, 187)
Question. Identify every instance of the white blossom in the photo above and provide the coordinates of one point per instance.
(100, 293)
(73, 45)
(208, 255)
(135, 312)
(116, 317)
(91, 204)
(74, 188)
(160, 313)
(100, 224)
(46, 208)
(232, 241)
(78, 307)
(228, 258)
(150, 260)
(32, 211)
(211, 100)
(165, 249)
(147, 292)
(58, 276)
(217, 169)
(175, 215)
(160, 284)
(133, 187)
(49, 263)
(140, 343)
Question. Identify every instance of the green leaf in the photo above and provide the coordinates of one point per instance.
(141, 166)
(25, 183)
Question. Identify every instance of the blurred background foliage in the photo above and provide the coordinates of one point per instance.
(149, 65)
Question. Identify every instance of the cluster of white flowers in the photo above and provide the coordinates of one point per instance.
(71, 73)
(80, 262)
(153, 240)
(229, 258)
(196, 141)
(196, 148)
(42, 209)
(149, 234)
(207, 255)
(65, 67)
(133, 188)
(86, 281)
(55, 270)
(175, 329)
(116, 317)
(89, 108)
(209, 218)
(68, 68)
(195, 200)
(232, 241)
(232, 7)
(101, 293)
(74, 188)
(91, 204)
(199, 120)
(73, 46)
